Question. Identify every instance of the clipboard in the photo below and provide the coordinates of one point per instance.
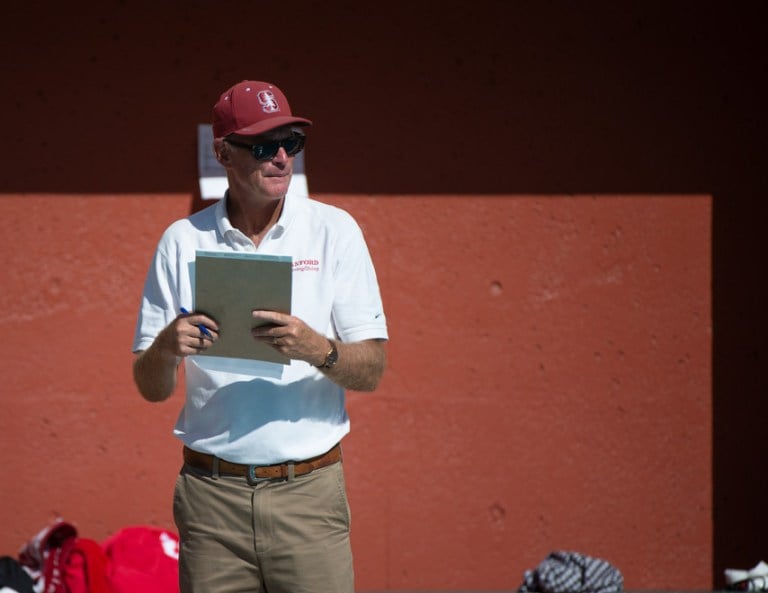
(229, 286)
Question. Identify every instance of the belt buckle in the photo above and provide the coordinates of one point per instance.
(252, 477)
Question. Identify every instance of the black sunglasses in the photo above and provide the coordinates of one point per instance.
(265, 151)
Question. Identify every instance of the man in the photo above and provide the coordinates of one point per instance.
(260, 502)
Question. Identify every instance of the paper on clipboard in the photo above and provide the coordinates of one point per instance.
(229, 286)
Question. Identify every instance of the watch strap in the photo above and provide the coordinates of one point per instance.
(331, 358)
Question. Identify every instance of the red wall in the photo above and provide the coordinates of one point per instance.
(548, 385)
(565, 206)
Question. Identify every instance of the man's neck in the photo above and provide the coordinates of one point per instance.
(254, 219)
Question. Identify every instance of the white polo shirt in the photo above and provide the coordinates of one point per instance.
(258, 412)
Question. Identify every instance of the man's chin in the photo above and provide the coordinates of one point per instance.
(278, 186)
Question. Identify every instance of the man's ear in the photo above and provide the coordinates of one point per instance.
(221, 150)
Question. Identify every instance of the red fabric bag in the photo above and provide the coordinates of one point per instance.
(61, 562)
(143, 559)
(85, 567)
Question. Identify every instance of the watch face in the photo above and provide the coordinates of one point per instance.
(333, 356)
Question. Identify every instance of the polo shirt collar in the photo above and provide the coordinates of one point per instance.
(290, 207)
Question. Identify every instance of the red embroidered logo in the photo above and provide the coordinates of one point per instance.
(268, 101)
(306, 265)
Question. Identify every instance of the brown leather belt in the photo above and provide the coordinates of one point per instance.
(261, 472)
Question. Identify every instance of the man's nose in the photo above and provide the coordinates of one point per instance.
(281, 156)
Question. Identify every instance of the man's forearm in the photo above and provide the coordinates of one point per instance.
(155, 374)
(360, 365)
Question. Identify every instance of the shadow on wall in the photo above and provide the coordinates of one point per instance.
(508, 99)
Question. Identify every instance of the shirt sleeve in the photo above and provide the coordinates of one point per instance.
(159, 301)
(358, 312)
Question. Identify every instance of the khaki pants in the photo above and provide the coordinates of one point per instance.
(283, 536)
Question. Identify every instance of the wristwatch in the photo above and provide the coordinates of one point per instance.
(331, 358)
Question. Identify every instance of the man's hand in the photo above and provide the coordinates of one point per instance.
(360, 364)
(189, 333)
(290, 336)
(154, 369)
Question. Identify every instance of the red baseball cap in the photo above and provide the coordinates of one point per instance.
(250, 108)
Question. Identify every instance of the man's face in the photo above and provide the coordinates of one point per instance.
(269, 175)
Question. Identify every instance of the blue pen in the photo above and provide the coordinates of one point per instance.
(201, 327)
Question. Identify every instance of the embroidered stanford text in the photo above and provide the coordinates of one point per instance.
(306, 265)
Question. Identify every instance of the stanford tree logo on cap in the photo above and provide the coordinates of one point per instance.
(268, 101)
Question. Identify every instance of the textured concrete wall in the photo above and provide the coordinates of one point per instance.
(548, 384)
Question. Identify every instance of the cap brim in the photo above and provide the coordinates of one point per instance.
(271, 124)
